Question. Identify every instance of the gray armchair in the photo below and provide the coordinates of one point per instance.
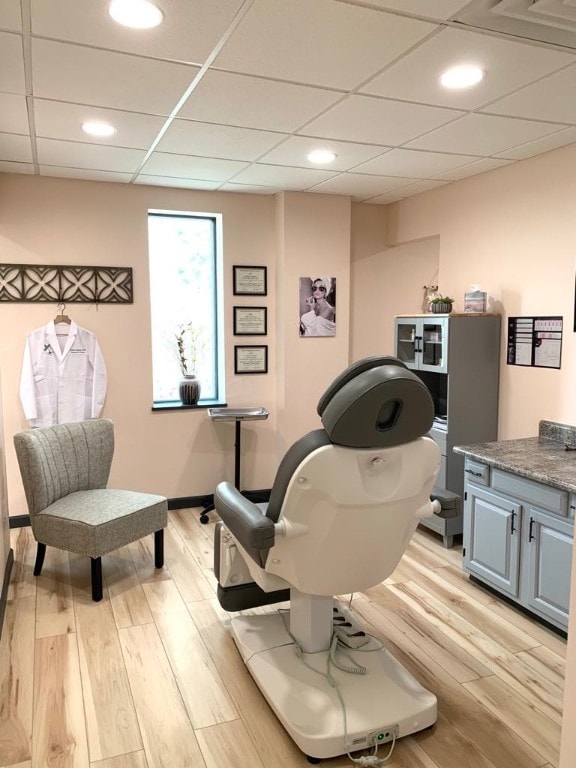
(65, 470)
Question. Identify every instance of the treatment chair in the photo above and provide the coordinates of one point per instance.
(65, 470)
(343, 507)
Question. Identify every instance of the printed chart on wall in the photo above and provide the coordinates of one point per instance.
(535, 341)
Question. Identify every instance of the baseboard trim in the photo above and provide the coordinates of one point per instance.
(4, 596)
(19, 521)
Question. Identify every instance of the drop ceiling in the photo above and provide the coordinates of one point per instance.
(233, 94)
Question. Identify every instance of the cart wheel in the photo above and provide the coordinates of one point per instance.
(204, 519)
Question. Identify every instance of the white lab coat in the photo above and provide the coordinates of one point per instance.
(64, 383)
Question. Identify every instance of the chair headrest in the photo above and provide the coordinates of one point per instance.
(375, 403)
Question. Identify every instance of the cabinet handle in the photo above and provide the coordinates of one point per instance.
(473, 472)
(530, 534)
(513, 518)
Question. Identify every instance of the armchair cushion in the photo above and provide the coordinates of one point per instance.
(99, 521)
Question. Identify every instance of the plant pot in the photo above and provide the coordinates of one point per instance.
(441, 308)
(189, 390)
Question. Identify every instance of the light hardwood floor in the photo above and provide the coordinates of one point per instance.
(150, 676)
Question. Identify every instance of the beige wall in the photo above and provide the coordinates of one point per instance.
(513, 231)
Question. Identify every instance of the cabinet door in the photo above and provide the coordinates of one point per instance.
(407, 341)
(547, 564)
(492, 538)
(432, 345)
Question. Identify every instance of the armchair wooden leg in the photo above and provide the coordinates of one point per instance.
(159, 548)
(96, 568)
(40, 552)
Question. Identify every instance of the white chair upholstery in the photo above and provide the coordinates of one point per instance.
(65, 471)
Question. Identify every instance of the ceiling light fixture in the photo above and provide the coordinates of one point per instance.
(98, 129)
(462, 76)
(139, 14)
(321, 156)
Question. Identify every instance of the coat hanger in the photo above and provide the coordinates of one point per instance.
(61, 317)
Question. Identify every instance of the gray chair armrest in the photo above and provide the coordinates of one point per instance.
(252, 529)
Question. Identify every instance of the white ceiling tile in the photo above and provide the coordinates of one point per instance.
(508, 65)
(187, 137)
(417, 187)
(65, 72)
(480, 166)
(280, 176)
(13, 113)
(11, 64)
(482, 135)
(383, 199)
(15, 148)
(10, 15)
(294, 151)
(8, 167)
(189, 31)
(254, 189)
(532, 148)
(251, 102)
(188, 167)
(317, 42)
(172, 181)
(89, 156)
(413, 163)
(544, 100)
(84, 173)
(59, 120)
(439, 9)
(360, 185)
(378, 121)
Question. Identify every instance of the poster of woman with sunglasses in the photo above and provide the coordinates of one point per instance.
(317, 306)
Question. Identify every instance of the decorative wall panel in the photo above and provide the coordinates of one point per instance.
(36, 283)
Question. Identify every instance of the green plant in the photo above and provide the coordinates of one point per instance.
(442, 300)
(189, 347)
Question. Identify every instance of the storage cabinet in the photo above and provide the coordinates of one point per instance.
(518, 538)
(458, 358)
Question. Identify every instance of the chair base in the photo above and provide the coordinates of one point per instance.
(387, 702)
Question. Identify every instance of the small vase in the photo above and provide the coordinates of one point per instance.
(441, 308)
(189, 390)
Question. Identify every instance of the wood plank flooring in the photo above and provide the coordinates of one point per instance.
(150, 677)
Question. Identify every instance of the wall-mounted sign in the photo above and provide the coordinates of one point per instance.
(535, 341)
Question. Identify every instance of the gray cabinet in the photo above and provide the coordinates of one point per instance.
(458, 358)
(518, 537)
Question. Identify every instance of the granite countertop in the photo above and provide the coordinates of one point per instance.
(543, 458)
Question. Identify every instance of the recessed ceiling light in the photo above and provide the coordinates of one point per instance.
(98, 129)
(462, 76)
(321, 156)
(139, 14)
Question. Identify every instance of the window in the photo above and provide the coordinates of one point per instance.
(185, 256)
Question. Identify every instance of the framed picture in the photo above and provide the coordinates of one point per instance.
(249, 281)
(317, 306)
(250, 321)
(251, 359)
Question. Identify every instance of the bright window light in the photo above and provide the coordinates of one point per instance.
(139, 14)
(462, 76)
(322, 156)
(98, 129)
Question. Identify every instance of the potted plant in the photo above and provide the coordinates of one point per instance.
(189, 347)
(441, 305)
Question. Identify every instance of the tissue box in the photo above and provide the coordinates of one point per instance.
(475, 302)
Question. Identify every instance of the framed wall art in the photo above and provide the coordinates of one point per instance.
(251, 359)
(249, 281)
(250, 321)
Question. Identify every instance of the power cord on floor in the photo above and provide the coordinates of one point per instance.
(336, 645)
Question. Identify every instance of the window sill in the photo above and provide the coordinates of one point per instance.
(174, 405)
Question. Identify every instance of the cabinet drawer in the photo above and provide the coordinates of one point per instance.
(476, 472)
(543, 496)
